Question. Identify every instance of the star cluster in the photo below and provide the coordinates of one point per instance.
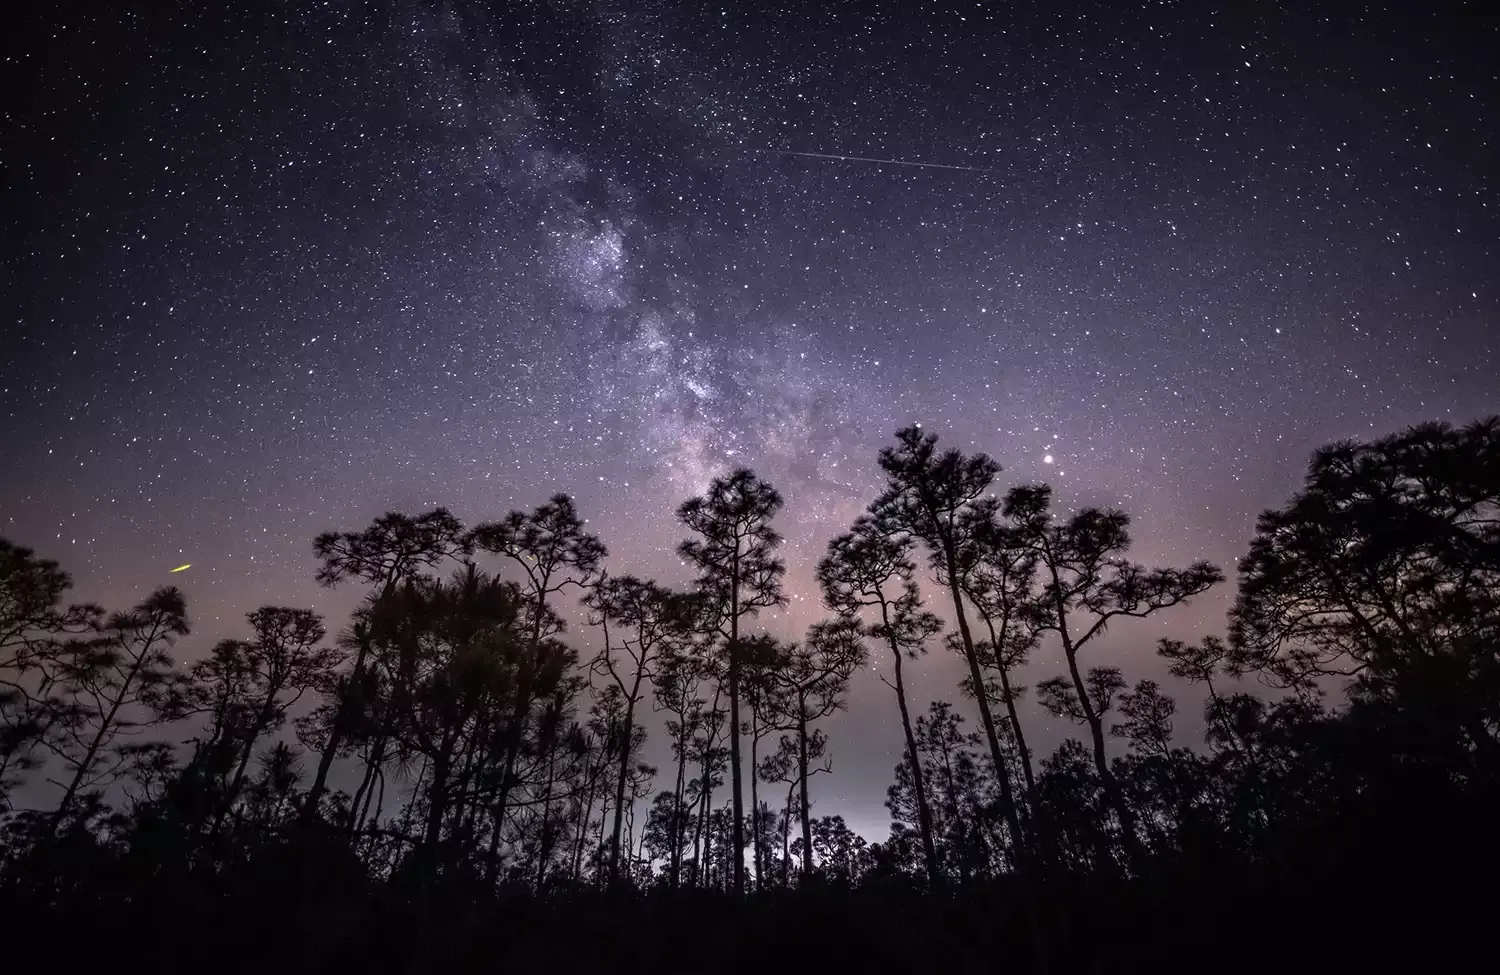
(285, 268)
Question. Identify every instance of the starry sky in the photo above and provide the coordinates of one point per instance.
(279, 269)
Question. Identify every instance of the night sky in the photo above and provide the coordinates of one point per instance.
(280, 270)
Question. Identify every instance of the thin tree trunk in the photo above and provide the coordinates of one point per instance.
(97, 743)
(807, 852)
(1007, 798)
(437, 799)
(82, 769)
(492, 853)
(262, 719)
(1020, 735)
(512, 754)
(700, 852)
(678, 823)
(514, 737)
(355, 819)
(639, 842)
(544, 847)
(581, 834)
(755, 794)
(734, 729)
(1011, 712)
(336, 728)
(625, 750)
(364, 814)
(786, 839)
(601, 830)
(464, 816)
(918, 779)
(1112, 791)
(521, 715)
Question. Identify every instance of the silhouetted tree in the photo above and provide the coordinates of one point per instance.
(1386, 568)
(869, 569)
(841, 853)
(554, 768)
(1148, 719)
(394, 548)
(1228, 716)
(738, 576)
(677, 693)
(998, 574)
(961, 786)
(710, 757)
(594, 743)
(554, 553)
(789, 766)
(271, 794)
(1086, 584)
(249, 687)
(642, 623)
(812, 678)
(1075, 809)
(932, 496)
(444, 647)
(1376, 584)
(33, 625)
(759, 658)
(116, 679)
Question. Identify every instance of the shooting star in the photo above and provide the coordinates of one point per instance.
(888, 162)
(185, 566)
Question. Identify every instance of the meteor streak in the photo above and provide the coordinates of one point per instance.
(186, 565)
(889, 162)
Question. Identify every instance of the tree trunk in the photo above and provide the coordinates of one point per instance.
(373, 758)
(807, 851)
(599, 875)
(1038, 944)
(700, 853)
(1011, 712)
(88, 759)
(336, 730)
(1112, 792)
(377, 792)
(544, 847)
(626, 746)
(986, 717)
(262, 719)
(519, 718)
(581, 836)
(786, 839)
(465, 812)
(734, 731)
(755, 795)
(513, 751)
(1020, 735)
(105, 724)
(918, 779)
(437, 801)
(678, 825)
(492, 854)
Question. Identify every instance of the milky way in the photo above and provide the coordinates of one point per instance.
(278, 272)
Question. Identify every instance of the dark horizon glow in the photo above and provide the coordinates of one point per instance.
(280, 271)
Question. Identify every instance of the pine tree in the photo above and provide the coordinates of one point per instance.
(738, 576)
(1086, 583)
(869, 569)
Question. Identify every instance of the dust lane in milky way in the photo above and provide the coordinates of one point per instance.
(284, 270)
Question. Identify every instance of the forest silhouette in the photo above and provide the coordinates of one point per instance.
(446, 783)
